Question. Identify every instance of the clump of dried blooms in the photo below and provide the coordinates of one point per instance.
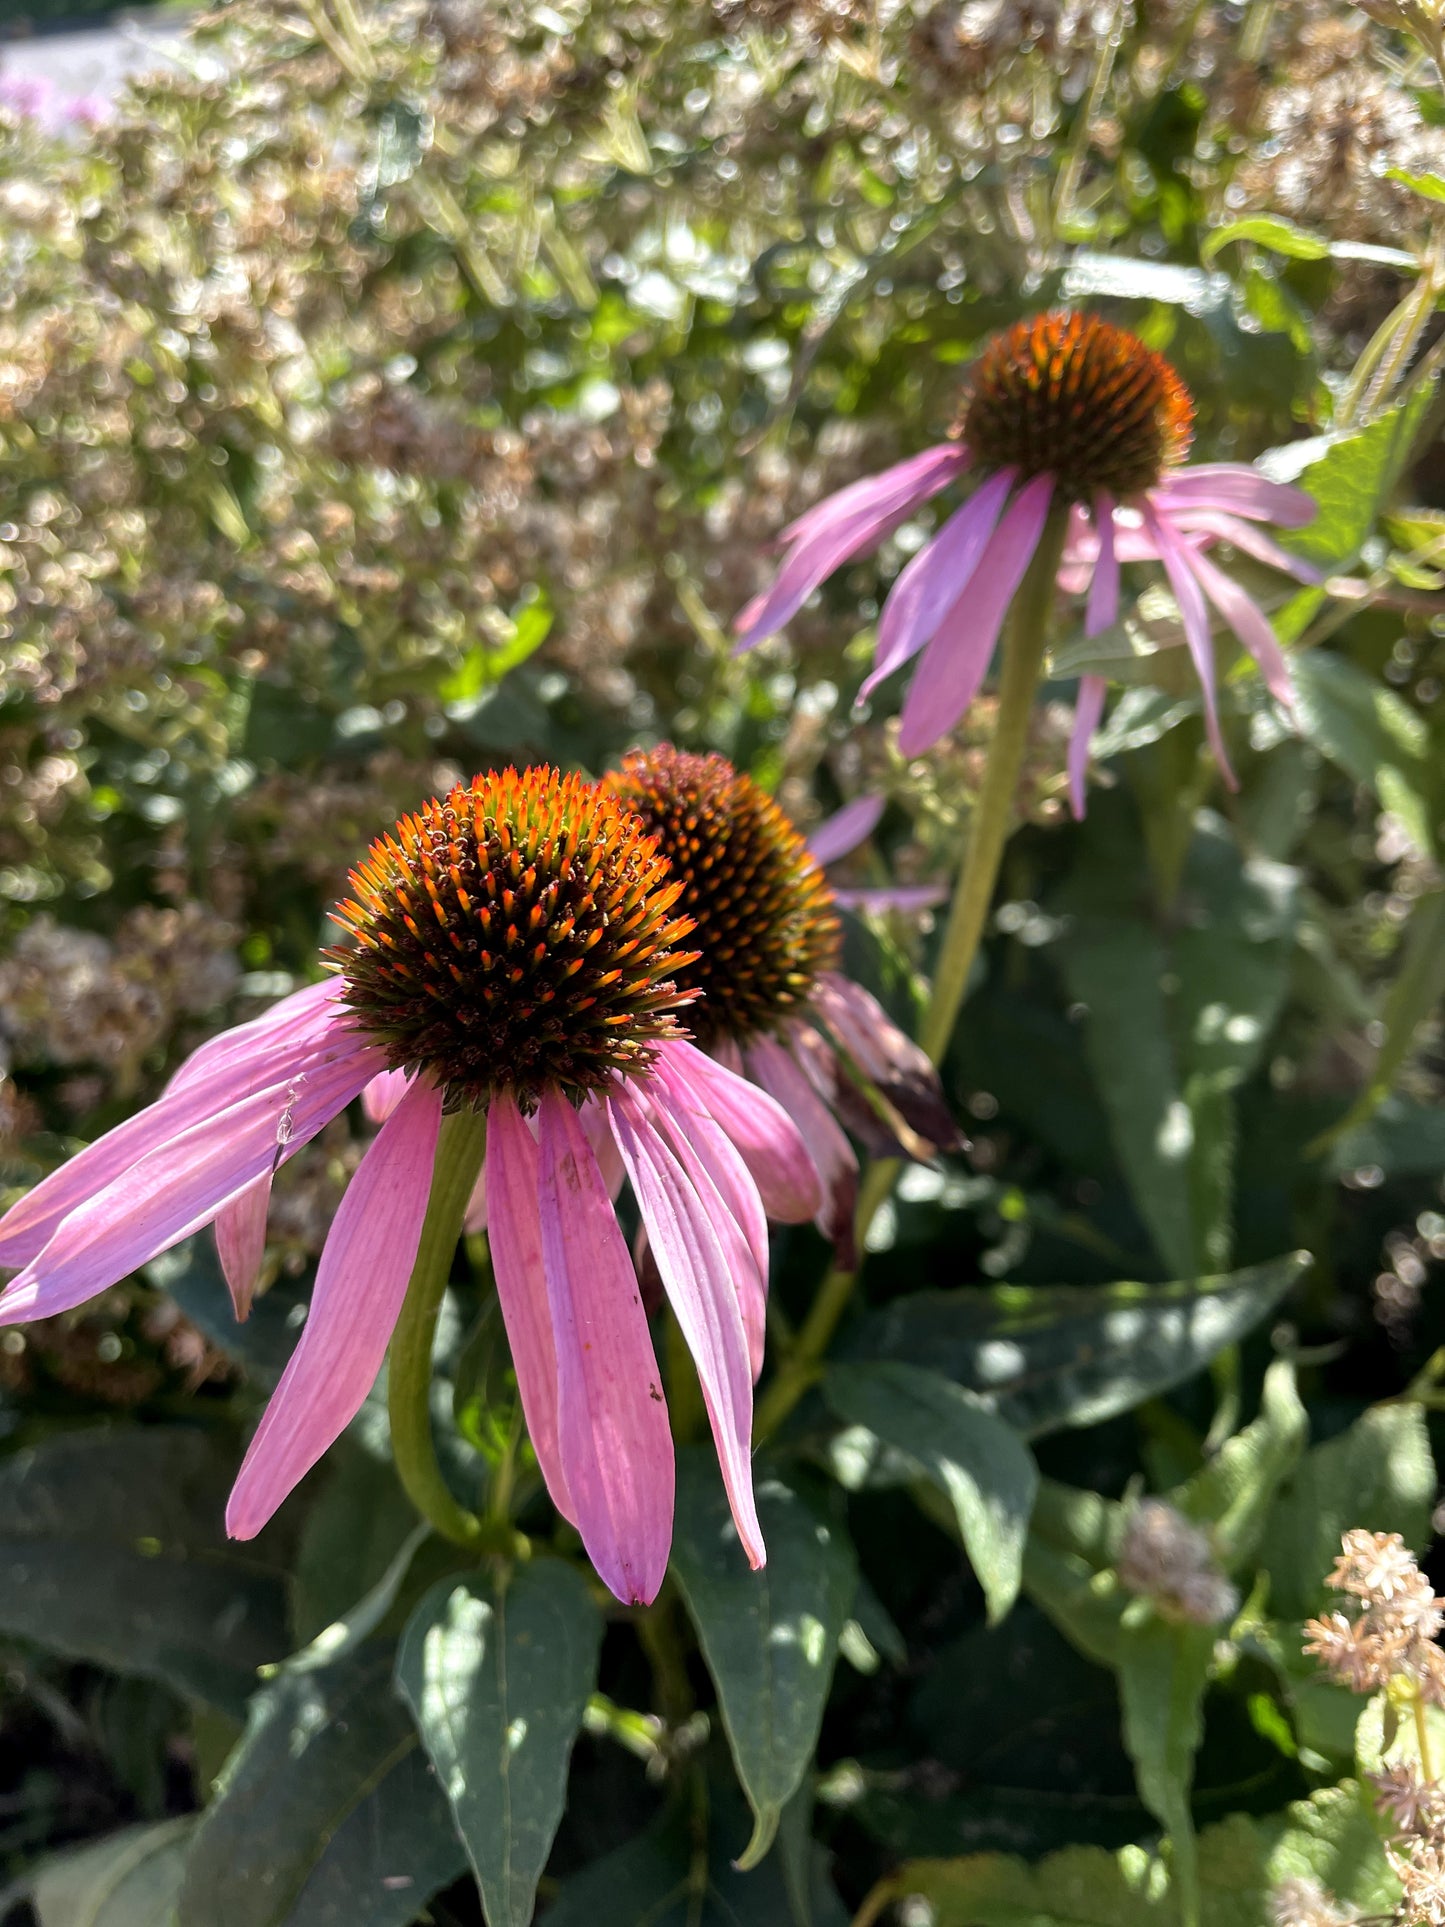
(1302, 1902)
(1390, 1628)
(1169, 1561)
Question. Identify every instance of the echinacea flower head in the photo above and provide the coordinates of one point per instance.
(774, 1005)
(517, 953)
(1070, 421)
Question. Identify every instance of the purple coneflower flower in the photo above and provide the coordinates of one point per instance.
(1061, 410)
(517, 951)
(774, 1006)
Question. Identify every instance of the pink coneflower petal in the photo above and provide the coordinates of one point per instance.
(1101, 613)
(1195, 617)
(241, 1242)
(697, 1277)
(902, 896)
(1088, 712)
(188, 1100)
(845, 829)
(615, 1445)
(1249, 623)
(695, 1136)
(956, 661)
(1239, 490)
(886, 1055)
(510, 1178)
(784, 1080)
(847, 524)
(307, 1015)
(383, 1094)
(360, 1284)
(936, 577)
(1246, 538)
(761, 1129)
(178, 1187)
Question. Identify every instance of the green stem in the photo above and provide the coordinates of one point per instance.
(461, 1145)
(1023, 661)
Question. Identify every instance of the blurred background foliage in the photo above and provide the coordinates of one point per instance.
(394, 391)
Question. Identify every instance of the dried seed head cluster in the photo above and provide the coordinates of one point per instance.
(1394, 1617)
(764, 915)
(516, 933)
(1071, 396)
(1302, 1902)
(1170, 1561)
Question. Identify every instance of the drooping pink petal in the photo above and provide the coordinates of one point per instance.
(1249, 623)
(613, 1436)
(241, 1242)
(956, 661)
(311, 1032)
(1088, 711)
(383, 1094)
(683, 1215)
(826, 1069)
(696, 1137)
(1195, 617)
(313, 1012)
(898, 896)
(847, 524)
(361, 1281)
(1210, 524)
(886, 1055)
(1102, 611)
(845, 829)
(936, 577)
(510, 1178)
(766, 1137)
(180, 1185)
(1239, 490)
(832, 1154)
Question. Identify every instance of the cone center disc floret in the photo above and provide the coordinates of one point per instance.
(518, 933)
(765, 924)
(1073, 397)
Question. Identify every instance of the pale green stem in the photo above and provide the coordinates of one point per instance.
(461, 1146)
(1023, 661)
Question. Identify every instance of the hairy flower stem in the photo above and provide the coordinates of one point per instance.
(1023, 661)
(461, 1146)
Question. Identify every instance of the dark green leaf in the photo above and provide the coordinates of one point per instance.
(129, 1879)
(1370, 733)
(1049, 1356)
(770, 1637)
(326, 1814)
(113, 1549)
(1237, 1488)
(978, 1462)
(498, 1677)
(1163, 1673)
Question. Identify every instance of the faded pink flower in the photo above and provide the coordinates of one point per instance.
(516, 952)
(1061, 409)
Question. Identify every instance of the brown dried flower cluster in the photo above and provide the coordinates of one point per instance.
(1170, 1561)
(1391, 1627)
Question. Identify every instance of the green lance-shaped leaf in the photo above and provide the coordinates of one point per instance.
(497, 1676)
(1048, 1356)
(770, 1637)
(1267, 231)
(1235, 1491)
(325, 1813)
(977, 1462)
(128, 1879)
